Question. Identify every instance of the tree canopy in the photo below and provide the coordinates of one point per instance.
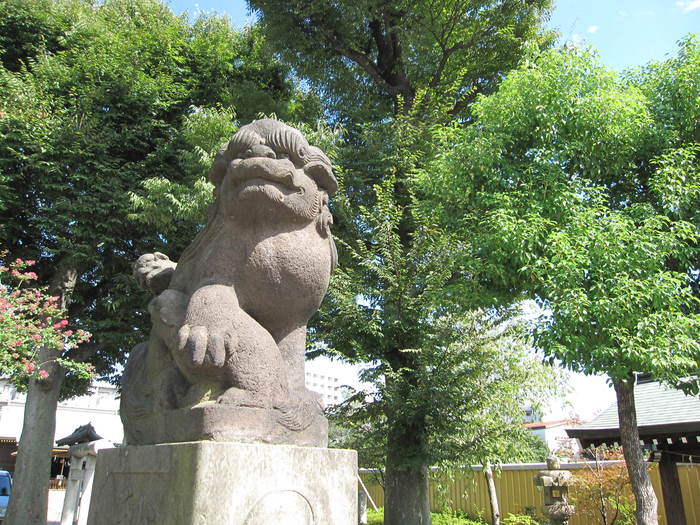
(387, 72)
(371, 59)
(575, 185)
(85, 122)
(564, 183)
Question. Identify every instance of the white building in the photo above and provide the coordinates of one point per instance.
(100, 406)
(324, 381)
(554, 434)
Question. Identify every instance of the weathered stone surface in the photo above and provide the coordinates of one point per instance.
(555, 483)
(216, 422)
(209, 483)
(229, 319)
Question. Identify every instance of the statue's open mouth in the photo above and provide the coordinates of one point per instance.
(257, 186)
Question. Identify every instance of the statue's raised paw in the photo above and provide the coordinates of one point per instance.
(153, 271)
(205, 346)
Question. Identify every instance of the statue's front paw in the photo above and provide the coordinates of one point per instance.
(153, 271)
(205, 345)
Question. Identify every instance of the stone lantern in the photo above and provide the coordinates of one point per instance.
(555, 484)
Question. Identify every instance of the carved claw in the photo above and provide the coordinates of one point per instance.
(201, 344)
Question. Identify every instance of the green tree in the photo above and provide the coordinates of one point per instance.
(387, 71)
(371, 59)
(572, 184)
(476, 375)
(95, 99)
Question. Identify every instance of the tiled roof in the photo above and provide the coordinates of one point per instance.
(548, 424)
(656, 405)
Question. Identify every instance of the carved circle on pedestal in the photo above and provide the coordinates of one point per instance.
(282, 506)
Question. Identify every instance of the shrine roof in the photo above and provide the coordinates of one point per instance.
(658, 407)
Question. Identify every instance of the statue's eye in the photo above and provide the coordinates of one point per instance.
(282, 156)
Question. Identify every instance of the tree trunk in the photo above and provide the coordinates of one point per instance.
(406, 499)
(493, 496)
(645, 498)
(406, 496)
(30, 488)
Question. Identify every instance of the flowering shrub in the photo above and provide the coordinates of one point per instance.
(31, 319)
(602, 490)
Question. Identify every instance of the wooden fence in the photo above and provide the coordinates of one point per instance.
(466, 490)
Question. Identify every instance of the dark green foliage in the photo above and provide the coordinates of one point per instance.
(372, 59)
(99, 103)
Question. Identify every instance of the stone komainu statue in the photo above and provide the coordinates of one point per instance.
(225, 359)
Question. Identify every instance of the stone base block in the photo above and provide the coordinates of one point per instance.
(209, 483)
(218, 422)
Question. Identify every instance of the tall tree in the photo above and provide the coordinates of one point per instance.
(387, 71)
(94, 100)
(578, 186)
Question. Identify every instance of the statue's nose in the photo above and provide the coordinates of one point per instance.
(259, 150)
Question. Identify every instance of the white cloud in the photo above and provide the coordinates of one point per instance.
(691, 6)
(593, 29)
(577, 39)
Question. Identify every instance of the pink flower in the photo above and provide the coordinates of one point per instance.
(29, 366)
(30, 262)
(36, 337)
(14, 273)
(18, 261)
(68, 333)
(63, 322)
(31, 275)
(15, 355)
(17, 343)
(44, 374)
(57, 326)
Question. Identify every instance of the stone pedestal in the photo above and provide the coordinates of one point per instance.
(214, 483)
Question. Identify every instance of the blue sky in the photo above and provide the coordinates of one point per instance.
(627, 33)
